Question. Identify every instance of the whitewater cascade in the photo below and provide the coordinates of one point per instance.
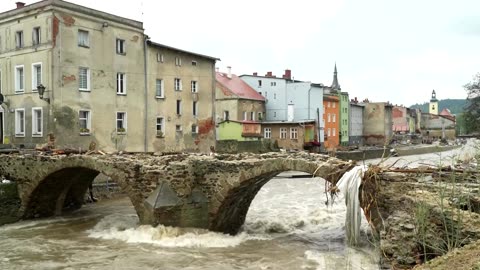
(349, 186)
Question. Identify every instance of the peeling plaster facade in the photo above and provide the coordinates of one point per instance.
(377, 123)
(93, 67)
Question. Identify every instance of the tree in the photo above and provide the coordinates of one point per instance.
(472, 108)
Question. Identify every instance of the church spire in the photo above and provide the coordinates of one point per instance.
(335, 84)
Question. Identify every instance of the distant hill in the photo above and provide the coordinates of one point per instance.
(454, 105)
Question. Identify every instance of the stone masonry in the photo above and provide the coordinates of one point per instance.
(186, 190)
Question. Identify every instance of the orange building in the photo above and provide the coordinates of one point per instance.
(331, 118)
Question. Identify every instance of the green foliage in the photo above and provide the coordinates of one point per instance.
(472, 110)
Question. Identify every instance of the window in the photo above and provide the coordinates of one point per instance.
(329, 104)
(179, 107)
(260, 116)
(121, 84)
(84, 79)
(329, 132)
(333, 104)
(178, 128)
(121, 46)
(83, 40)
(178, 61)
(259, 83)
(195, 108)
(283, 133)
(194, 63)
(121, 122)
(226, 115)
(245, 116)
(334, 131)
(37, 122)
(19, 42)
(273, 84)
(334, 116)
(19, 79)
(194, 129)
(160, 127)
(267, 133)
(275, 114)
(19, 122)
(160, 57)
(159, 88)
(274, 95)
(194, 86)
(252, 116)
(329, 118)
(293, 133)
(84, 121)
(36, 75)
(36, 36)
(178, 84)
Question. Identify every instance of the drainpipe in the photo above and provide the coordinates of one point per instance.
(145, 129)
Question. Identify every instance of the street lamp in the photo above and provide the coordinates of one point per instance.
(41, 92)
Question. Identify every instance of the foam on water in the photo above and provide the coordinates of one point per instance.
(124, 228)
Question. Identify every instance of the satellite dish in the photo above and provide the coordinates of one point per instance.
(1, 99)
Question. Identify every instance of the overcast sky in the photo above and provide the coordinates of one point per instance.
(395, 51)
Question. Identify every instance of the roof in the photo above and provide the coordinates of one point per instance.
(236, 86)
(151, 43)
(72, 7)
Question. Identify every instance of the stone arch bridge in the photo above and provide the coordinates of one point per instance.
(185, 190)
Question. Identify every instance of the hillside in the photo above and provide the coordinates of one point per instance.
(454, 105)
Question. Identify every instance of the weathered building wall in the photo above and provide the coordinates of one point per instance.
(356, 124)
(377, 123)
(235, 146)
(192, 67)
(93, 69)
(100, 98)
(24, 57)
(400, 119)
(436, 127)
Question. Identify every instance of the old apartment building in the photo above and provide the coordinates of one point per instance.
(74, 77)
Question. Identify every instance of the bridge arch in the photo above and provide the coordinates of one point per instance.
(46, 186)
(230, 207)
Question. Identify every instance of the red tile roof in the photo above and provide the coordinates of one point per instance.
(236, 86)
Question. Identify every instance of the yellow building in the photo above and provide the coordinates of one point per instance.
(104, 82)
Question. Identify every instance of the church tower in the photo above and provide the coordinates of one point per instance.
(433, 108)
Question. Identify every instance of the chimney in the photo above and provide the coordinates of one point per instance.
(288, 74)
(269, 74)
(229, 74)
(217, 69)
(20, 4)
(255, 74)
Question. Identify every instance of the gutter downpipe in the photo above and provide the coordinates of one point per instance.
(145, 146)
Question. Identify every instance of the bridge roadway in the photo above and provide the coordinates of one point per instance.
(184, 190)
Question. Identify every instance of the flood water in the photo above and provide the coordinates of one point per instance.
(288, 226)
